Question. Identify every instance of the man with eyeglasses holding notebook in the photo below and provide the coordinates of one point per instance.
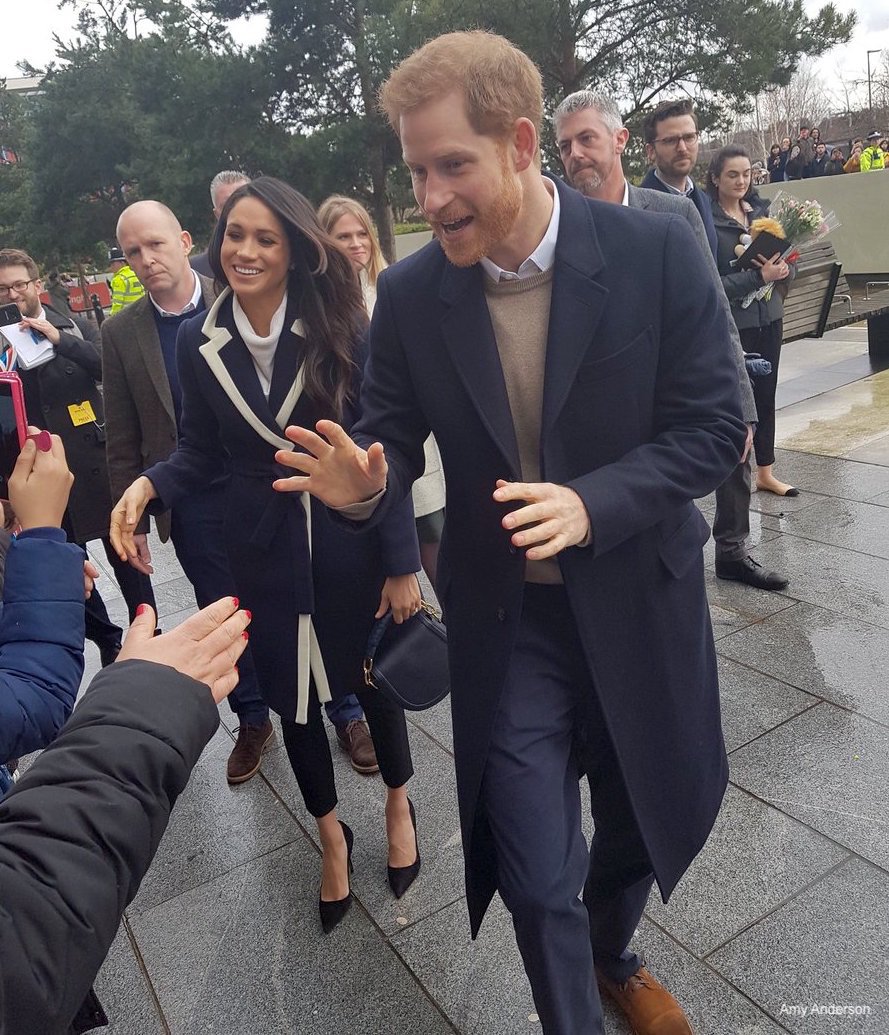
(671, 139)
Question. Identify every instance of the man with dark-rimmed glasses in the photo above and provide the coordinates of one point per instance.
(62, 395)
(671, 139)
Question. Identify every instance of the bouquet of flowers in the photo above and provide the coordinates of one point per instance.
(789, 220)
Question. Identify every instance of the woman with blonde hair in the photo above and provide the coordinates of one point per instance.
(350, 226)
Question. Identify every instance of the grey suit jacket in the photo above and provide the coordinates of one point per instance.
(658, 201)
(140, 420)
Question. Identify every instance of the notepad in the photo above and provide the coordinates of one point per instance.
(29, 353)
(766, 245)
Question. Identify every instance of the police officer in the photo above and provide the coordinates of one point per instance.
(125, 285)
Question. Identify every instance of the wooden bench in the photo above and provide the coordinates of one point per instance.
(820, 299)
(818, 285)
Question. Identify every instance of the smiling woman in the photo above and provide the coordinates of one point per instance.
(281, 345)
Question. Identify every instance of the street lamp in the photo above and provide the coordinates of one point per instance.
(870, 103)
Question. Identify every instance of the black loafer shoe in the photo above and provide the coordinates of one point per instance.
(751, 572)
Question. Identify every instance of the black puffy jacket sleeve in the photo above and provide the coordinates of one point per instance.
(81, 828)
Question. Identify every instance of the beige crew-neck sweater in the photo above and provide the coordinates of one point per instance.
(520, 316)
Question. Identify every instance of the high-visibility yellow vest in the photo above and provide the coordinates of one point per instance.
(125, 288)
(872, 158)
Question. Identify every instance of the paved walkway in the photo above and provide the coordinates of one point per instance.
(786, 910)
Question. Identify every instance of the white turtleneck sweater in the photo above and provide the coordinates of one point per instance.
(261, 348)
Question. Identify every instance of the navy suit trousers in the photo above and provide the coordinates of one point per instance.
(548, 733)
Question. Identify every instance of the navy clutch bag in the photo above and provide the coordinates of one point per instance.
(409, 662)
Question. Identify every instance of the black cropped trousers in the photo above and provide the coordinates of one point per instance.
(309, 750)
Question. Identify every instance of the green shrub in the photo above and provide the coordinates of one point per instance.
(410, 228)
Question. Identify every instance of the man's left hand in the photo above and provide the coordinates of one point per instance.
(556, 514)
(748, 442)
(43, 327)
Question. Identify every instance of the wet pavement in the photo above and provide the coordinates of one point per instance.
(781, 924)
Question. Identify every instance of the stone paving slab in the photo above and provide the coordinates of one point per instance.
(838, 659)
(245, 953)
(214, 828)
(123, 989)
(753, 703)
(848, 583)
(755, 859)
(771, 506)
(825, 948)
(830, 476)
(480, 985)
(828, 768)
(750, 604)
(852, 525)
(712, 1005)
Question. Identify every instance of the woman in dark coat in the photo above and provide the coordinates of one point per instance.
(281, 346)
(760, 320)
(776, 164)
(794, 168)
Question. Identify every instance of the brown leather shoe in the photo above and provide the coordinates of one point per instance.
(246, 755)
(354, 739)
(647, 1005)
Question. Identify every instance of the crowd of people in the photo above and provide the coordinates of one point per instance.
(809, 156)
(571, 356)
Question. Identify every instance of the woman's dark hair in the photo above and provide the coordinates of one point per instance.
(717, 164)
(323, 283)
(774, 147)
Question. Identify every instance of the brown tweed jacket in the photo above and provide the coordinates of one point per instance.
(140, 420)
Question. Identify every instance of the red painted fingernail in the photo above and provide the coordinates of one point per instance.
(43, 441)
(246, 635)
(249, 614)
(141, 609)
(236, 601)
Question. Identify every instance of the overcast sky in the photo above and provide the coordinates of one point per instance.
(28, 29)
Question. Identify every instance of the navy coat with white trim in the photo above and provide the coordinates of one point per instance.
(225, 412)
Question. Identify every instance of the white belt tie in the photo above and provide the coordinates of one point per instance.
(309, 660)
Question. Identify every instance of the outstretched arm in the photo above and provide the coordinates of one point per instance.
(333, 468)
(81, 827)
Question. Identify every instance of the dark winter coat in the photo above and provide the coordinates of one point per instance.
(739, 283)
(138, 400)
(697, 197)
(775, 165)
(278, 574)
(70, 378)
(641, 415)
(79, 831)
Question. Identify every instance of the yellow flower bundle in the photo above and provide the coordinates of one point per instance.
(767, 225)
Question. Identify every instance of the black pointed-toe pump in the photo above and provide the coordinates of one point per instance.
(333, 912)
(401, 877)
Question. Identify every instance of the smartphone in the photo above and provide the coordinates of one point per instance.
(13, 426)
(9, 314)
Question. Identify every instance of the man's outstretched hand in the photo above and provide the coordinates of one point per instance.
(334, 470)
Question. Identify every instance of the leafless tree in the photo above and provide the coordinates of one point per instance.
(778, 111)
